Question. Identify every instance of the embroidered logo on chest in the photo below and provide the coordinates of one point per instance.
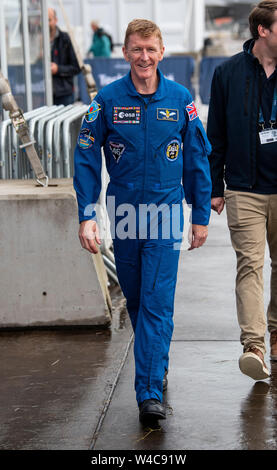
(164, 114)
(126, 115)
(172, 150)
(117, 150)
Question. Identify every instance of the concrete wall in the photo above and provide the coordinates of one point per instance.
(46, 277)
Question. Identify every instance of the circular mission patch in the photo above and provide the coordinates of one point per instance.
(172, 150)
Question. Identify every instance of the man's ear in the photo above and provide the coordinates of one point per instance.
(125, 54)
(162, 53)
(262, 31)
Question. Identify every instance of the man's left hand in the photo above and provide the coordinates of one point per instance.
(199, 235)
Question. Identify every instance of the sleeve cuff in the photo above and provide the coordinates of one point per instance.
(201, 215)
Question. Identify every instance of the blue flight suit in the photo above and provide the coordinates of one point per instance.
(156, 153)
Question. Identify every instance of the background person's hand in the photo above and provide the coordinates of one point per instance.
(54, 68)
(217, 204)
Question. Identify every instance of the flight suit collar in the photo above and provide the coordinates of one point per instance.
(159, 94)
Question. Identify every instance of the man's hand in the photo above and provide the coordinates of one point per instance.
(54, 68)
(198, 236)
(89, 235)
(217, 204)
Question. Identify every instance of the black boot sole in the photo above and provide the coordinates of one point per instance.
(147, 417)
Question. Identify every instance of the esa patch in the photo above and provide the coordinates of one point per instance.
(172, 150)
(92, 112)
(85, 139)
(126, 115)
(164, 114)
(192, 111)
(117, 150)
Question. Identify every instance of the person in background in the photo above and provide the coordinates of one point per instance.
(243, 132)
(101, 43)
(64, 64)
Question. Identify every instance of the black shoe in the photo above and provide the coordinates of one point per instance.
(150, 410)
(165, 381)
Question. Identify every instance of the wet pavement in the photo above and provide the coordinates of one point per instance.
(55, 384)
(73, 389)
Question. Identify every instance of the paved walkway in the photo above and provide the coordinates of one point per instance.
(73, 389)
(210, 404)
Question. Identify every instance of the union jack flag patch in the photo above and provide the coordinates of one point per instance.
(192, 111)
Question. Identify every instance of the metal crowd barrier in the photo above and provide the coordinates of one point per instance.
(66, 130)
(8, 146)
(54, 130)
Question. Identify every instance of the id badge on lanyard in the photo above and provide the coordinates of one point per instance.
(267, 136)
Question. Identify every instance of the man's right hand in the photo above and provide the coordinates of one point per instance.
(89, 235)
(54, 68)
(217, 204)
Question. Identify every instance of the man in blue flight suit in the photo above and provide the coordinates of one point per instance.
(153, 139)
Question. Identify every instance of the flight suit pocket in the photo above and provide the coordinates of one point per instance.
(202, 138)
(170, 161)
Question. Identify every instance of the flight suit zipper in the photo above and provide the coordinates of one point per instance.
(145, 145)
(146, 141)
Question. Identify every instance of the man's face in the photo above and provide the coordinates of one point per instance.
(52, 20)
(144, 54)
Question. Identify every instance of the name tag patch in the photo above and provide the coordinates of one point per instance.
(164, 114)
(117, 150)
(92, 111)
(172, 150)
(126, 115)
(85, 139)
(268, 136)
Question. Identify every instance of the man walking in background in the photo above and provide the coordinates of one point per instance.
(64, 64)
(101, 43)
(243, 133)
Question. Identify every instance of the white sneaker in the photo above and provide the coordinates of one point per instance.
(252, 363)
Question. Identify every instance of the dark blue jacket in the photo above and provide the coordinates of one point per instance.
(233, 122)
(149, 149)
(62, 53)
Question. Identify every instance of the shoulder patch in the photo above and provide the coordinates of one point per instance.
(192, 111)
(92, 111)
(85, 139)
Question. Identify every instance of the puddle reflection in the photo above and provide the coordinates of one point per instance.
(259, 415)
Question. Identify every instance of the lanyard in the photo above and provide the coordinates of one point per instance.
(273, 111)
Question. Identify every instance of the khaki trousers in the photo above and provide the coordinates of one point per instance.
(251, 219)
